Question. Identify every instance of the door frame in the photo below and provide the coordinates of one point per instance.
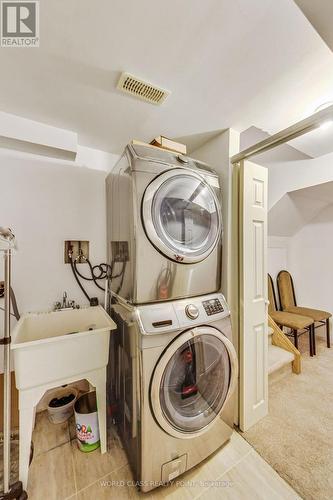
(253, 301)
(296, 130)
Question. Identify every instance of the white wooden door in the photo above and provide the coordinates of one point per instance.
(253, 390)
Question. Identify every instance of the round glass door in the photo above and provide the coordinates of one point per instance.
(181, 216)
(194, 382)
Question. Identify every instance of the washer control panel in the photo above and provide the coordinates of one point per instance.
(192, 311)
(185, 313)
(213, 306)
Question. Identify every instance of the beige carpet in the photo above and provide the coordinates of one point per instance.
(296, 438)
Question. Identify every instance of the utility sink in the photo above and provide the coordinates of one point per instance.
(56, 348)
(51, 346)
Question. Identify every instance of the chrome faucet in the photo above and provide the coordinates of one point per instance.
(64, 301)
(65, 304)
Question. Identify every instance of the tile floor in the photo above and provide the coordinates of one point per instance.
(60, 471)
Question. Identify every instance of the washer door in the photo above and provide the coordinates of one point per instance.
(181, 216)
(192, 381)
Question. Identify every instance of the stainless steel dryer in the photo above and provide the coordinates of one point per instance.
(174, 371)
(164, 226)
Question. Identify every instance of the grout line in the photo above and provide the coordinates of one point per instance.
(50, 449)
(38, 431)
(101, 478)
(228, 469)
(68, 430)
(274, 472)
(72, 496)
(74, 468)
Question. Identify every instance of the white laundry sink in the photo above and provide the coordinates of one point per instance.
(51, 346)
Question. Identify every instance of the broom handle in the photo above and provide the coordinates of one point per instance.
(7, 375)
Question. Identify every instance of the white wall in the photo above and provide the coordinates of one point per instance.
(277, 255)
(277, 258)
(311, 264)
(307, 255)
(46, 202)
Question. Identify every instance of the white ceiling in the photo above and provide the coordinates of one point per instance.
(226, 62)
(297, 208)
(282, 153)
(316, 143)
(320, 15)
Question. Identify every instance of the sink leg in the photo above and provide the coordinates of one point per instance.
(98, 380)
(26, 426)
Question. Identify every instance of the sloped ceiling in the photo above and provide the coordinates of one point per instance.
(284, 152)
(227, 63)
(297, 208)
(320, 15)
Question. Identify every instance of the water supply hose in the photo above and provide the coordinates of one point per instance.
(98, 272)
(77, 278)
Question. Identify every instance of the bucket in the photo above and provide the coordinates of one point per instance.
(86, 419)
(61, 404)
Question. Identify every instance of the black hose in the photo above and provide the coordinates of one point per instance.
(15, 312)
(122, 274)
(77, 279)
(12, 314)
(14, 304)
(104, 272)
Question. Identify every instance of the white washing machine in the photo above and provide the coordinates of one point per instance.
(164, 226)
(174, 374)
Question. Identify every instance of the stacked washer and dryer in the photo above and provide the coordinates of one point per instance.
(173, 366)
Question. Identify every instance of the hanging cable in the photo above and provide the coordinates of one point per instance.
(99, 272)
(102, 269)
(3, 309)
(70, 254)
(15, 312)
(14, 304)
(122, 276)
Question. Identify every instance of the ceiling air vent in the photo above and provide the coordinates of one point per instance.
(141, 89)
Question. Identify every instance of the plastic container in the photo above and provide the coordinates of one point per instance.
(86, 418)
(58, 410)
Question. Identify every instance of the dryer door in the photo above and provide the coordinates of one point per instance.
(181, 215)
(192, 381)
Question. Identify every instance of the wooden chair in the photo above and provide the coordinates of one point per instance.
(288, 303)
(297, 323)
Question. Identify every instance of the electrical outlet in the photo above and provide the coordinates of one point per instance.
(79, 249)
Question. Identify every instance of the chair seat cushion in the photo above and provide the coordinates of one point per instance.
(291, 320)
(315, 314)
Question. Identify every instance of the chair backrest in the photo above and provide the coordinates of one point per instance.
(271, 295)
(286, 290)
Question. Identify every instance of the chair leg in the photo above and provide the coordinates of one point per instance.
(311, 340)
(314, 339)
(328, 338)
(295, 338)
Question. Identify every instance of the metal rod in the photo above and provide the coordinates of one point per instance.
(300, 128)
(7, 375)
